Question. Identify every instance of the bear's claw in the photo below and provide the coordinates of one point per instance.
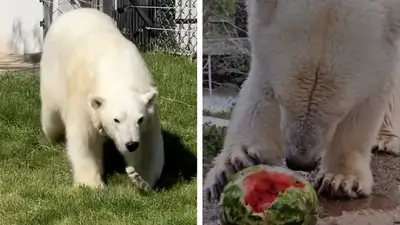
(340, 185)
(218, 177)
(217, 188)
(214, 190)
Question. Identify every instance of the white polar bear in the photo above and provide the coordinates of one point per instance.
(94, 83)
(322, 74)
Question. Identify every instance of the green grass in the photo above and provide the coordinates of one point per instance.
(213, 140)
(35, 178)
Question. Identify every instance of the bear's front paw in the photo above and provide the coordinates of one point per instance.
(142, 185)
(137, 179)
(92, 183)
(389, 144)
(344, 185)
(225, 166)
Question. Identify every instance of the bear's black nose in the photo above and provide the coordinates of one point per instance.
(295, 164)
(132, 146)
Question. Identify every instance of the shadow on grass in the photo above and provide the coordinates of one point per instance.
(180, 163)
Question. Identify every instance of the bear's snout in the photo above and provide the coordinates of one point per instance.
(132, 146)
(302, 146)
(298, 164)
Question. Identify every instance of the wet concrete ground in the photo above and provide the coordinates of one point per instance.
(382, 208)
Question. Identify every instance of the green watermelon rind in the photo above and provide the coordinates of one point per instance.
(281, 211)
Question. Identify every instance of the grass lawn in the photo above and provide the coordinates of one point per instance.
(213, 141)
(35, 178)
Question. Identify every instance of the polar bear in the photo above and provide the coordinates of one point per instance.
(321, 81)
(94, 84)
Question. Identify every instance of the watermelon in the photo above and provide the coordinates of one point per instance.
(268, 195)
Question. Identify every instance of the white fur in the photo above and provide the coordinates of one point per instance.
(389, 135)
(86, 61)
(322, 75)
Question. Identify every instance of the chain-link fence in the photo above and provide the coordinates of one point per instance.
(225, 47)
(153, 25)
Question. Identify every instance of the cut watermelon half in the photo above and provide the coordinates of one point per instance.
(268, 195)
(262, 188)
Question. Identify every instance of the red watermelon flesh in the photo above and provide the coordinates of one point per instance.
(263, 187)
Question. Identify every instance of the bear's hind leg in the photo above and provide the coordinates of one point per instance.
(52, 124)
(253, 135)
(388, 138)
(85, 152)
(345, 168)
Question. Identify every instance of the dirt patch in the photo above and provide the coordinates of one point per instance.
(381, 208)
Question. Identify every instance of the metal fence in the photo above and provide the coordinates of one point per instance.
(153, 25)
(226, 49)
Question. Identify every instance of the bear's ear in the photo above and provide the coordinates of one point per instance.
(393, 16)
(150, 97)
(96, 102)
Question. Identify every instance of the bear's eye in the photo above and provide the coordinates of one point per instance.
(116, 120)
(140, 120)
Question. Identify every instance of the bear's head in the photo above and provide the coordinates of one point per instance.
(322, 59)
(123, 117)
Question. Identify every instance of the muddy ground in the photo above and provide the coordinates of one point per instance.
(382, 208)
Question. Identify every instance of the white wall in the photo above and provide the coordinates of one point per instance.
(20, 30)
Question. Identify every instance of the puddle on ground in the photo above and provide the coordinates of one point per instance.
(222, 99)
(215, 121)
